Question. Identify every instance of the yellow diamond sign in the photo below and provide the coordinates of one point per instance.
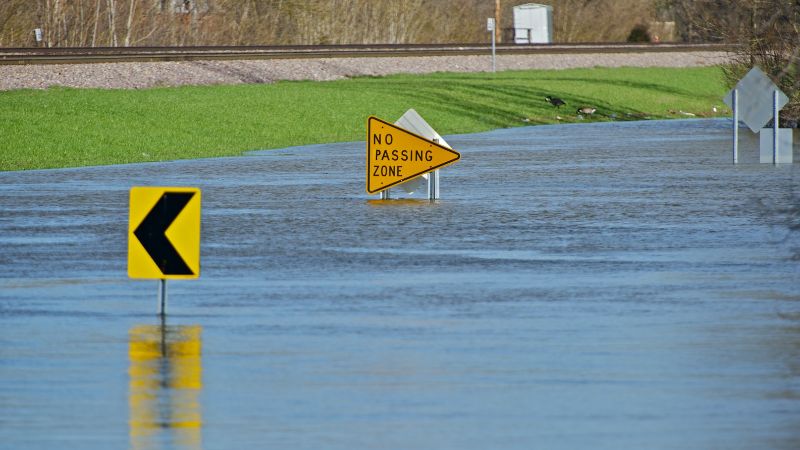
(395, 155)
(164, 233)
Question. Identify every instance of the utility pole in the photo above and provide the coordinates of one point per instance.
(497, 33)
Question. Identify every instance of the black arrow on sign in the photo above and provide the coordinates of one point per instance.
(151, 233)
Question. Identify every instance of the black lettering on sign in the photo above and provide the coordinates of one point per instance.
(387, 171)
(376, 138)
(389, 139)
(428, 155)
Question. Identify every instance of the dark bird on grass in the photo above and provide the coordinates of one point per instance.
(555, 101)
(586, 110)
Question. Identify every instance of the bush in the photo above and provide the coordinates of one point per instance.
(639, 33)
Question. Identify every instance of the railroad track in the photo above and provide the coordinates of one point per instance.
(132, 54)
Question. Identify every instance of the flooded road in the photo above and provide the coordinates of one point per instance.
(607, 285)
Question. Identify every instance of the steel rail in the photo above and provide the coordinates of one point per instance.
(80, 55)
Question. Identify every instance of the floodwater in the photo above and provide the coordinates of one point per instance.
(607, 285)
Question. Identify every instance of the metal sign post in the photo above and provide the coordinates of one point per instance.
(735, 126)
(490, 27)
(162, 297)
(776, 124)
(433, 182)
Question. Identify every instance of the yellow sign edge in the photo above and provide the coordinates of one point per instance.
(370, 118)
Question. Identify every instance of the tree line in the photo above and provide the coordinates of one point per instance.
(110, 23)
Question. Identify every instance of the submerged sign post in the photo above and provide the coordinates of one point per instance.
(396, 155)
(164, 235)
(490, 28)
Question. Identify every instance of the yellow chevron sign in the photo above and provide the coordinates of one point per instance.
(164, 233)
(395, 155)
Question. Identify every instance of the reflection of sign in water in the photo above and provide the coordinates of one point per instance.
(165, 384)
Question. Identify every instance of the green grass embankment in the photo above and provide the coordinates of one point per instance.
(79, 127)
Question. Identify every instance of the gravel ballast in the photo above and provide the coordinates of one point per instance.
(138, 75)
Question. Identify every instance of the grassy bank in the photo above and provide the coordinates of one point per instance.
(79, 127)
